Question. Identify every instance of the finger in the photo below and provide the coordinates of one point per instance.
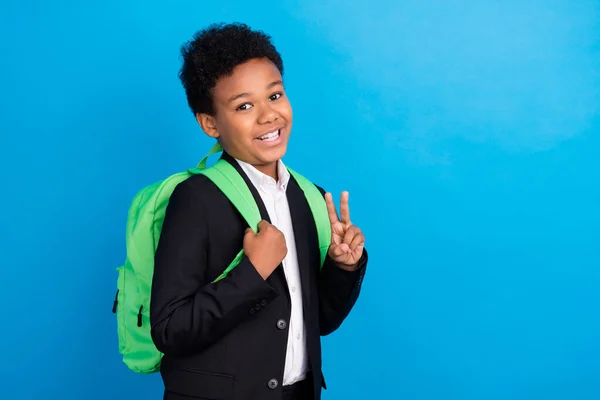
(359, 249)
(248, 235)
(356, 254)
(345, 208)
(350, 234)
(333, 217)
(336, 239)
(336, 251)
(262, 225)
(357, 242)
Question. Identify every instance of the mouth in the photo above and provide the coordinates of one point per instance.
(270, 136)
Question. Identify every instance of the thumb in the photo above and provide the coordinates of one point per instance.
(262, 225)
(248, 234)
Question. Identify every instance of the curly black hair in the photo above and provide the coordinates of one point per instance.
(214, 52)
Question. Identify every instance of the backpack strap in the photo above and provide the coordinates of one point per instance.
(229, 181)
(202, 164)
(235, 189)
(225, 176)
(318, 207)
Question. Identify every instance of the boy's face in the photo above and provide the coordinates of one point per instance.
(253, 116)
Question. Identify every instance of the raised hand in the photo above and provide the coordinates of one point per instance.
(347, 240)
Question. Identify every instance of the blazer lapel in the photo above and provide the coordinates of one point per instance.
(305, 236)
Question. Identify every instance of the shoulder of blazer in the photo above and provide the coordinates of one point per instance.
(200, 185)
(201, 189)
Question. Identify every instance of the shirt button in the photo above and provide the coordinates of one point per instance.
(281, 324)
(298, 336)
(294, 289)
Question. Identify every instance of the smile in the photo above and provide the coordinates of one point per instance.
(270, 136)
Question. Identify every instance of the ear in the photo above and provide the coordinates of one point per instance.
(208, 124)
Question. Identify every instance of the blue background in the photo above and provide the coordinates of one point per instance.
(466, 132)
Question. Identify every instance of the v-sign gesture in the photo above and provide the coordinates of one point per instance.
(347, 240)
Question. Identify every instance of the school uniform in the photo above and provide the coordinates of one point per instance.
(244, 337)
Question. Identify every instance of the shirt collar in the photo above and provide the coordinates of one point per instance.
(264, 181)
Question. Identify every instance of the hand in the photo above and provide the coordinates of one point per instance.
(347, 240)
(265, 249)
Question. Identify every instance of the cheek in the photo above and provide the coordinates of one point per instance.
(285, 110)
(240, 129)
(245, 126)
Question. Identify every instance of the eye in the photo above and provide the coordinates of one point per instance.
(244, 107)
(275, 96)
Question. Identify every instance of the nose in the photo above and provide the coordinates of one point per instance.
(268, 115)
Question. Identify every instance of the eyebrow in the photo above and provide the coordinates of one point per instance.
(240, 95)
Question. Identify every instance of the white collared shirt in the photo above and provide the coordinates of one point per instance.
(273, 195)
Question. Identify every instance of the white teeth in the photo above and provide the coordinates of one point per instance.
(271, 135)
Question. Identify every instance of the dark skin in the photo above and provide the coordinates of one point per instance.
(250, 103)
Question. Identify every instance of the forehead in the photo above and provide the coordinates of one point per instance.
(250, 77)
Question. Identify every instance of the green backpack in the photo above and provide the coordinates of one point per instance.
(143, 229)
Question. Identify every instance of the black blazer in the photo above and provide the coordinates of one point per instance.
(227, 340)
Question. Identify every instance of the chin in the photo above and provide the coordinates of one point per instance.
(274, 155)
(271, 153)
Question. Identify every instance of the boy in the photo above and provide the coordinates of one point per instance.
(256, 333)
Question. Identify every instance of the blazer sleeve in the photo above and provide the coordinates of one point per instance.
(187, 312)
(338, 291)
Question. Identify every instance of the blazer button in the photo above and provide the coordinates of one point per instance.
(263, 302)
(281, 324)
(273, 384)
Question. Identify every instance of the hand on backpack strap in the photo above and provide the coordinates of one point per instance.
(265, 249)
(347, 240)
